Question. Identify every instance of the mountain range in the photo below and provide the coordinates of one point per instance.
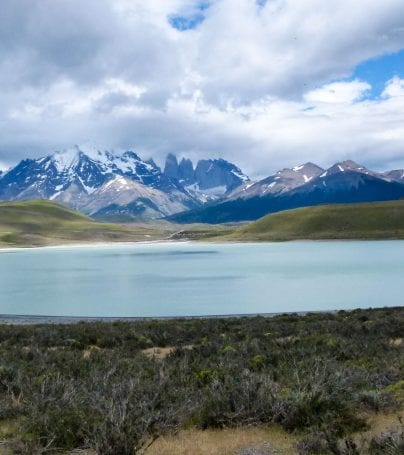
(301, 186)
(108, 185)
(123, 187)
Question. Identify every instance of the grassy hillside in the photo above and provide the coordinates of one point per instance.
(40, 223)
(37, 223)
(377, 220)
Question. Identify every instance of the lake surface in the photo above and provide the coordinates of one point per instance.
(186, 279)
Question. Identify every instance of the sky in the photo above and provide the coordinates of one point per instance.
(264, 84)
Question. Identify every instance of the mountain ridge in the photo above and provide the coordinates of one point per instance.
(343, 182)
(92, 181)
(106, 184)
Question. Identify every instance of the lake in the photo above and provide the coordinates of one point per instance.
(187, 279)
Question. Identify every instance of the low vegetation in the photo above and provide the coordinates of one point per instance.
(39, 223)
(377, 220)
(203, 232)
(296, 384)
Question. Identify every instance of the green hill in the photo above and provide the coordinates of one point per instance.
(377, 220)
(38, 223)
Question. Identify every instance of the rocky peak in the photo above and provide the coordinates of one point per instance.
(218, 173)
(49, 176)
(186, 171)
(171, 168)
(183, 172)
(211, 179)
(152, 163)
(397, 175)
(308, 170)
(282, 181)
(344, 166)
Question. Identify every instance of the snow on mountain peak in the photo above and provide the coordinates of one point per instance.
(107, 162)
(64, 160)
(307, 170)
(348, 165)
(83, 176)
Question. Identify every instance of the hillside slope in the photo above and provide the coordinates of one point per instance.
(38, 223)
(377, 220)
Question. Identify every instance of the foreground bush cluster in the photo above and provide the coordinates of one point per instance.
(96, 385)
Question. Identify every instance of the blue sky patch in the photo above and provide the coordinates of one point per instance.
(189, 22)
(377, 71)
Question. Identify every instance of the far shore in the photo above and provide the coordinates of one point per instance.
(14, 319)
(214, 241)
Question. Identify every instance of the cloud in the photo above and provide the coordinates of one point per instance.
(282, 49)
(338, 92)
(394, 88)
(264, 84)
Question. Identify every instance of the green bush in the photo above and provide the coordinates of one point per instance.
(89, 385)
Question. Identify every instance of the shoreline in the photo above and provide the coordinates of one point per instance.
(14, 319)
(86, 245)
(183, 241)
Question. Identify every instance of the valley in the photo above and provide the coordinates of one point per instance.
(43, 223)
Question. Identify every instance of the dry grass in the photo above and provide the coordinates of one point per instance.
(8, 429)
(272, 440)
(232, 441)
(398, 342)
(382, 423)
(88, 352)
(161, 353)
(225, 442)
(158, 353)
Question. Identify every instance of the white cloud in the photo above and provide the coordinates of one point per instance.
(289, 46)
(252, 84)
(394, 88)
(338, 92)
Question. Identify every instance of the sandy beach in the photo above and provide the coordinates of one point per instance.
(68, 246)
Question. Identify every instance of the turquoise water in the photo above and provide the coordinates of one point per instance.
(184, 279)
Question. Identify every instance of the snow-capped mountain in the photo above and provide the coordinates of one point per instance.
(280, 182)
(348, 181)
(91, 180)
(344, 182)
(113, 186)
(103, 183)
(209, 180)
(349, 166)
